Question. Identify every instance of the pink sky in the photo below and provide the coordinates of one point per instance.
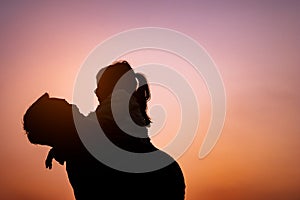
(255, 46)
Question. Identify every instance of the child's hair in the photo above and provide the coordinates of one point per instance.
(49, 121)
(108, 77)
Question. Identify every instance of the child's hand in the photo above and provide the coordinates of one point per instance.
(48, 163)
(49, 158)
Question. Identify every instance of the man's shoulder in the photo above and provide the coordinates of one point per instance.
(92, 116)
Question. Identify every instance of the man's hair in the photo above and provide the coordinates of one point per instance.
(121, 74)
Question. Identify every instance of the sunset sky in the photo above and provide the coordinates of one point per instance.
(254, 44)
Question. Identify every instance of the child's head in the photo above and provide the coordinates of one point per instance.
(49, 121)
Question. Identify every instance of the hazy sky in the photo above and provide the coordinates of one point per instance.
(255, 45)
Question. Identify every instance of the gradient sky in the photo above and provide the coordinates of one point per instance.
(255, 45)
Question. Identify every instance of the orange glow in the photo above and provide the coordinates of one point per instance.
(255, 47)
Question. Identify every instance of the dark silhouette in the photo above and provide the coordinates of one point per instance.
(49, 121)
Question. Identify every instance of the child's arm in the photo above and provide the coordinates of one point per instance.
(49, 159)
(53, 153)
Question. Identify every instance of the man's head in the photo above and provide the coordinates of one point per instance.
(108, 77)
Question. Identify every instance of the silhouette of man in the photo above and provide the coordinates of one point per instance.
(49, 121)
(120, 79)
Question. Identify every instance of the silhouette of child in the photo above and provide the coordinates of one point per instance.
(48, 121)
